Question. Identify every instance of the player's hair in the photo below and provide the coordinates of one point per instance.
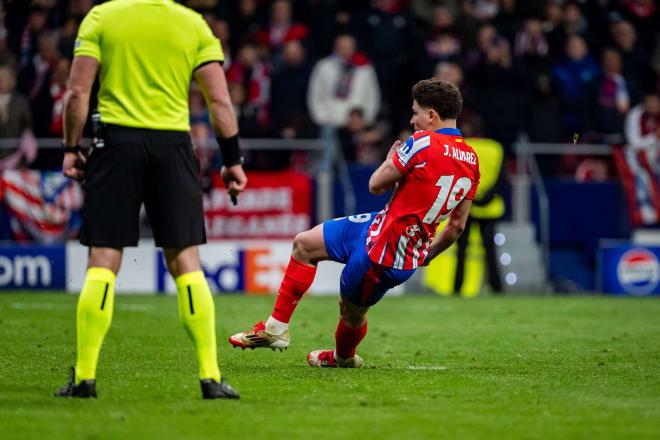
(440, 95)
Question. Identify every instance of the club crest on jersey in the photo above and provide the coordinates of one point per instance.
(413, 230)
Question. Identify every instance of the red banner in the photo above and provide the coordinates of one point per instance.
(274, 205)
(640, 173)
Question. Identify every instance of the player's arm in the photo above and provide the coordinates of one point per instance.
(387, 173)
(76, 108)
(452, 230)
(213, 85)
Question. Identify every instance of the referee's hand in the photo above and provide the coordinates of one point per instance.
(234, 178)
(73, 166)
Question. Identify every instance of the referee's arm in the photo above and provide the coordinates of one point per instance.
(76, 107)
(213, 84)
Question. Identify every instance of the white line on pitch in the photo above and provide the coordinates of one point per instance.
(57, 306)
(426, 367)
(38, 306)
(136, 307)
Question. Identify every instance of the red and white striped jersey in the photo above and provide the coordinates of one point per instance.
(439, 170)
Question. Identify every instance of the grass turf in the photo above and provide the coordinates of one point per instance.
(510, 367)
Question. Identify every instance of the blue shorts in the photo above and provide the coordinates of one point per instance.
(363, 282)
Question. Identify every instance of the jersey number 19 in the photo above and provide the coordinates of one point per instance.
(447, 194)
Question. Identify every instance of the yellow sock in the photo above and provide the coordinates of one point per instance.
(93, 317)
(197, 312)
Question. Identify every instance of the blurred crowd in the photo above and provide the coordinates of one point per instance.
(552, 71)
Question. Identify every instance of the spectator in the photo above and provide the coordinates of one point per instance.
(423, 9)
(553, 16)
(289, 92)
(341, 82)
(247, 121)
(245, 113)
(636, 66)
(25, 42)
(37, 76)
(453, 73)
(442, 44)
(280, 29)
(487, 38)
(655, 63)
(467, 25)
(385, 35)
(57, 89)
(15, 123)
(612, 100)
(506, 20)
(245, 21)
(530, 42)
(503, 93)
(361, 142)
(545, 117)
(574, 76)
(592, 169)
(486, 10)
(573, 23)
(252, 73)
(79, 8)
(642, 125)
(4, 34)
(222, 31)
(325, 19)
(204, 5)
(67, 37)
(202, 136)
(643, 14)
(198, 112)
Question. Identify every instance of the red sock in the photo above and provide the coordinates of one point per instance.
(297, 279)
(347, 339)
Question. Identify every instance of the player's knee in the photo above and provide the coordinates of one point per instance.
(301, 247)
(109, 258)
(351, 315)
(182, 260)
(354, 320)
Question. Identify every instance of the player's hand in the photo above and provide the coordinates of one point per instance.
(429, 257)
(395, 146)
(234, 178)
(73, 166)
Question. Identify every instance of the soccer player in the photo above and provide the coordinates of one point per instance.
(146, 53)
(434, 176)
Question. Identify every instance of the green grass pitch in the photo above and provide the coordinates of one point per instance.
(509, 368)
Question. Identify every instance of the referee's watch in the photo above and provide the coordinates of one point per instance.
(71, 149)
(230, 150)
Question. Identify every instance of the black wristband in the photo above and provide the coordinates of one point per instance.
(231, 152)
(71, 149)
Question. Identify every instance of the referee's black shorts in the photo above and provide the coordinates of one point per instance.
(135, 166)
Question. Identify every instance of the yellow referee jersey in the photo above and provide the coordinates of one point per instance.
(147, 50)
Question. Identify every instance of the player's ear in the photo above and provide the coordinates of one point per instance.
(433, 115)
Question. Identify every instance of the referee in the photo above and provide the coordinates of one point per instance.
(146, 53)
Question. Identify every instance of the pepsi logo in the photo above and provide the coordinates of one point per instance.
(638, 271)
